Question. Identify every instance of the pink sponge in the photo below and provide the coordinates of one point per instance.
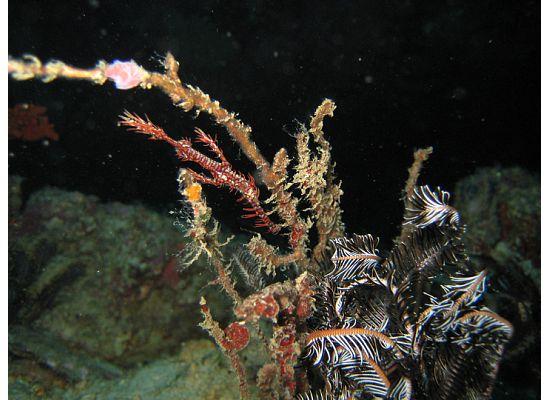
(125, 74)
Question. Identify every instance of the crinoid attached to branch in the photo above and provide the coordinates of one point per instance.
(410, 325)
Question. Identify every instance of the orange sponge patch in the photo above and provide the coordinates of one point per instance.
(193, 192)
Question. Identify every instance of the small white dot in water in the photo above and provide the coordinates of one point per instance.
(275, 54)
(369, 79)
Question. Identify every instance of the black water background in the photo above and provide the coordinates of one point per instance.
(463, 77)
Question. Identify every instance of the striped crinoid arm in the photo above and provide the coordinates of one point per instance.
(426, 207)
(325, 395)
(327, 305)
(466, 367)
(353, 258)
(482, 326)
(373, 311)
(329, 345)
(464, 291)
(414, 262)
(355, 359)
(365, 374)
(459, 297)
(401, 389)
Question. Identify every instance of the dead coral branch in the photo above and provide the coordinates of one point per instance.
(212, 327)
(420, 157)
(315, 177)
(204, 231)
